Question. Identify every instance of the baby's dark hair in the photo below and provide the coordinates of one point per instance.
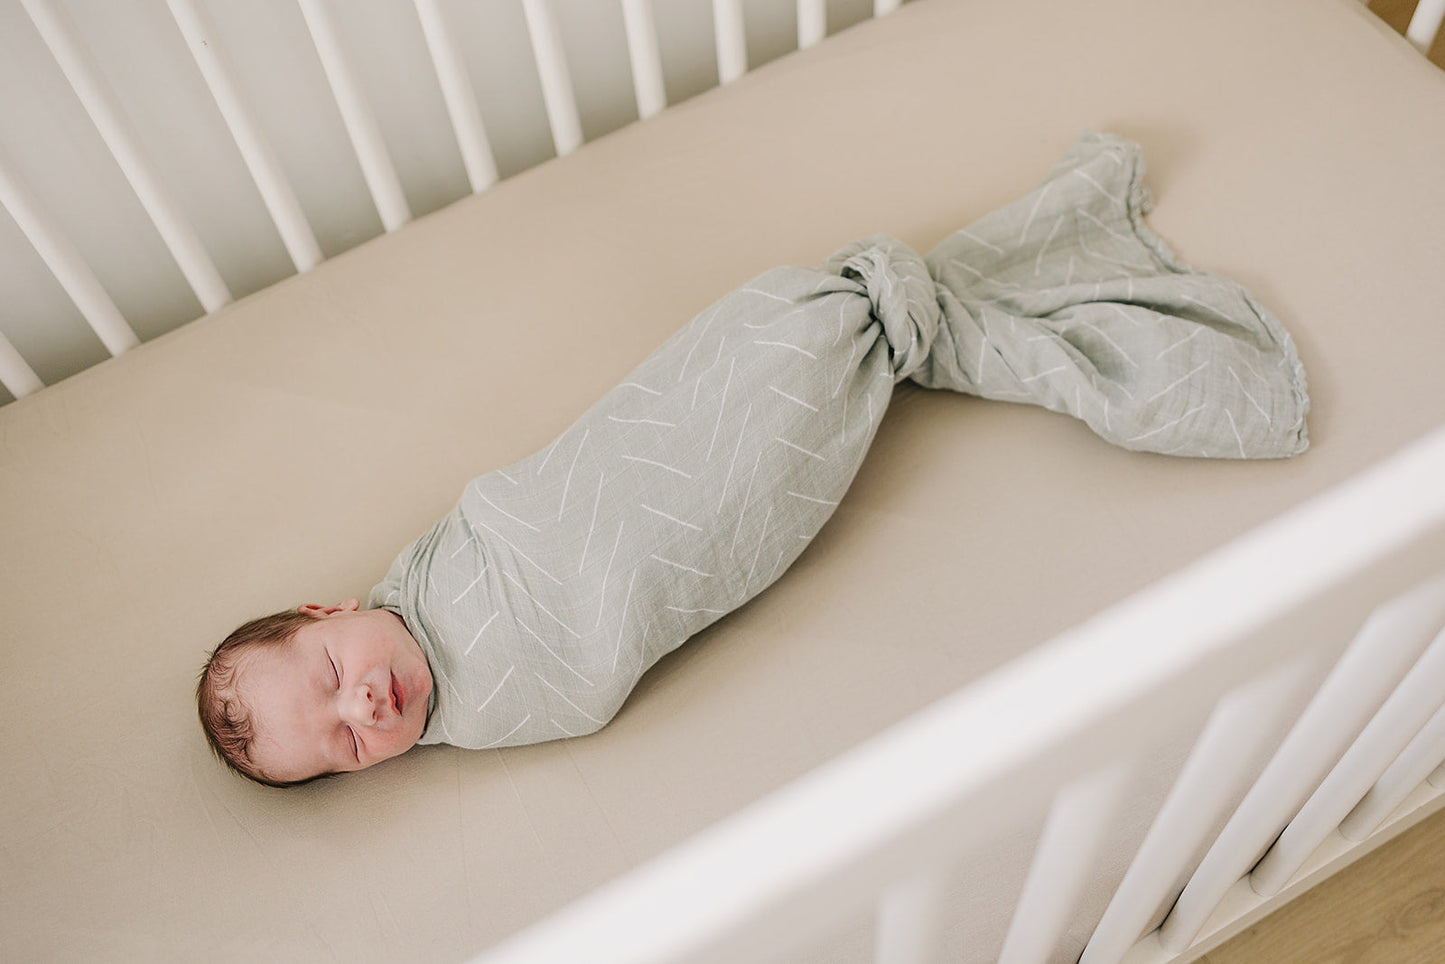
(224, 717)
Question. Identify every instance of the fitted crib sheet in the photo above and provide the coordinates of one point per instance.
(284, 449)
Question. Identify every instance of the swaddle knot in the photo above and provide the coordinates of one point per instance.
(896, 281)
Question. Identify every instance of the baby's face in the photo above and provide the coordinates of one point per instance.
(350, 690)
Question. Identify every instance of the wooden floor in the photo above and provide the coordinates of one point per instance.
(1386, 908)
(1389, 906)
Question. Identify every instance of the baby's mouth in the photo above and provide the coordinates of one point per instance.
(397, 700)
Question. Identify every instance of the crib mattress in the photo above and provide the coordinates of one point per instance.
(283, 449)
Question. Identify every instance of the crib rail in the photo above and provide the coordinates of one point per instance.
(1237, 631)
(449, 48)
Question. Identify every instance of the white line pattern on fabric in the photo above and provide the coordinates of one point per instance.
(568, 484)
(602, 596)
(642, 421)
(1235, 429)
(1176, 383)
(482, 496)
(671, 518)
(811, 408)
(783, 344)
(633, 458)
(519, 552)
(801, 449)
(593, 524)
(811, 498)
(506, 736)
(553, 652)
(1245, 392)
(569, 702)
(470, 585)
(513, 579)
(498, 687)
(1164, 428)
(479, 633)
(681, 566)
(622, 624)
(741, 433)
(1183, 341)
(722, 406)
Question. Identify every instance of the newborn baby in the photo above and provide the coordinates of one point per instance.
(530, 610)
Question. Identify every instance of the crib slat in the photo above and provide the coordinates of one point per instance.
(881, 7)
(1418, 761)
(460, 99)
(18, 378)
(1425, 24)
(645, 56)
(556, 81)
(69, 268)
(1373, 664)
(361, 127)
(910, 921)
(260, 160)
(1397, 722)
(1071, 840)
(812, 22)
(105, 112)
(1216, 772)
(732, 45)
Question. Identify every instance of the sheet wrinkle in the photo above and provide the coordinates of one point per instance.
(670, 503)
(597, 806)
(542, 850)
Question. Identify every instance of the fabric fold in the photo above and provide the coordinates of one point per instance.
(1066, 299)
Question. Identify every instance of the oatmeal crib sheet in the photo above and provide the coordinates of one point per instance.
(555, 583)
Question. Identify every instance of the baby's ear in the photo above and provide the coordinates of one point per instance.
(312, 609)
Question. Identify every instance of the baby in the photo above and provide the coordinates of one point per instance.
(530, 610)
(315, 691)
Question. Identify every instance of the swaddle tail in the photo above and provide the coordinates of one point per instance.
(1066, 299)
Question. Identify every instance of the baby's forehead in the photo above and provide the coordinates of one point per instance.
(260, 668)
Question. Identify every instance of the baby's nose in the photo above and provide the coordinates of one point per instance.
(363, 704)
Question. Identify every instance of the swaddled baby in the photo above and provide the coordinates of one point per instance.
(529, 611)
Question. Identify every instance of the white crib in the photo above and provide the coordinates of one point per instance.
(1180, 696)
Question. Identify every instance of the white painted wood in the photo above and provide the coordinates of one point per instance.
(911, 916)
(732, 44)
(1425, 24)
(18, 378)
(1389, 643)
(1216, 774)
(645, 57)
(280, 200)
(812, 22)
(115, 129)
(356, 114)
(69, 268)
(556, 81)
(1398, 721)
(1241, 907)
(943, 778)
(1071, 841)
(1418, 760)
(882, 7)
(461, 100)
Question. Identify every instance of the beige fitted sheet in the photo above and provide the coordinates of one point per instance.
(259, 458)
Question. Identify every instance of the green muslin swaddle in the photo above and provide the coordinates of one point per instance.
(554, 583)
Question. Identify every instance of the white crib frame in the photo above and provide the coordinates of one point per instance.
(101, 104)
(880, 826)
(883, 824)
